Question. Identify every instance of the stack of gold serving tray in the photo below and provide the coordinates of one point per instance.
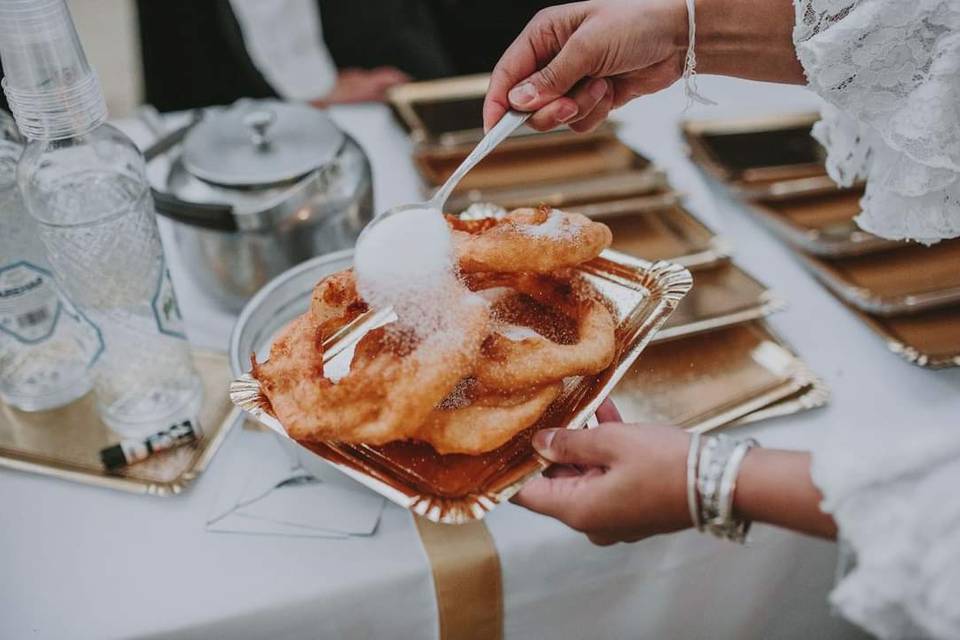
(909, 294)
(443, 118)
(716, 362)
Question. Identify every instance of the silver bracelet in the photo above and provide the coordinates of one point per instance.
(693, 499)
(729, 527)
(719, 464)
(713, 453)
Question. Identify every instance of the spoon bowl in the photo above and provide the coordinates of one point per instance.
(509, 123)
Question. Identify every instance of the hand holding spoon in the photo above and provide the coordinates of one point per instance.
(500, 132)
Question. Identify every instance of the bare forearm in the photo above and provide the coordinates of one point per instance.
(775, 487)
(750, 39)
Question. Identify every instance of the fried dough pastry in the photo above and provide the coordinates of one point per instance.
(576, 330)
(485, 420)
(395, 379)
(527, 240)
(298, 349)
(336, 302)
(518, 322)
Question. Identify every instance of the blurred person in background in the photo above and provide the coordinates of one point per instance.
(321, 51)
(216, 51)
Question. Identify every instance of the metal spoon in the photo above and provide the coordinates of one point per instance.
(497, 134)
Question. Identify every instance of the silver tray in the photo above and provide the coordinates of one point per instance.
(456, 489)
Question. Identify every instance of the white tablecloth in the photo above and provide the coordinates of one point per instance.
(82, 562)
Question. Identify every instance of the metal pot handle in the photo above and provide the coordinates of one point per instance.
(218, 217)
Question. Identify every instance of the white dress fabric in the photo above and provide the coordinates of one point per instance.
(889, 71)
(285, 42)
(892, 490)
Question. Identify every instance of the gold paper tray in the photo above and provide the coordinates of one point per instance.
(65, 443)
(810, 397)
(722, 296)
(606, 194)
(927, 339)
(433, 109)
(662, 233)
(531, 160)
(448, 112)
(772, 156)
(703, 382)
(821, 224)
(455, 488)
(907, 279)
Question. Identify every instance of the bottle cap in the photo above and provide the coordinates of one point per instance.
(52, 91)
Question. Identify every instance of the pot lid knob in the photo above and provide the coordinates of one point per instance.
(259, 122)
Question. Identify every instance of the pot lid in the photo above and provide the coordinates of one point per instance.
(260, 142)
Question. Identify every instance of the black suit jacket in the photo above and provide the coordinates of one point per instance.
(193, 51)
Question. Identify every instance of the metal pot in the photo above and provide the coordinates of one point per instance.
(256, 188)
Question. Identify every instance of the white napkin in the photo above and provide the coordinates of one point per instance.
(266, 491)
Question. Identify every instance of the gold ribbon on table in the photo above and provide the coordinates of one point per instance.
(466, 577)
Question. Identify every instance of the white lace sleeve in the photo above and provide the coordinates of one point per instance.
(893, 494)
(890, 73)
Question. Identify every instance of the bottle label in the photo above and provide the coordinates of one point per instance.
(88, 335)
(29, 303)
(32, 307)
(165, 307)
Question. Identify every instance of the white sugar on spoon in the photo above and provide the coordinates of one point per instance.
(404, 257)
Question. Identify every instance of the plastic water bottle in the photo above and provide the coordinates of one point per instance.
(46, 345)
(84, 183)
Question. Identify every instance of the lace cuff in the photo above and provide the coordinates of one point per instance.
(890, 73)
(907, 570)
